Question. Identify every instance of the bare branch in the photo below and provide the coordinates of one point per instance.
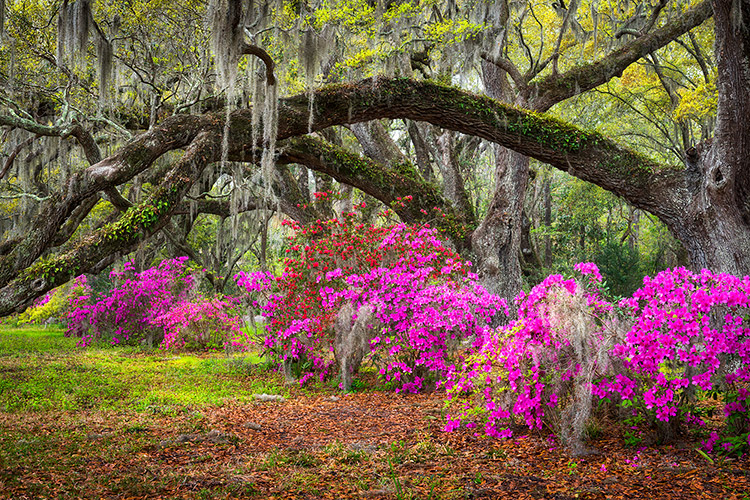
(556, 88)
(510, 68)
(261, 54)
(654, 16)
(13, 154)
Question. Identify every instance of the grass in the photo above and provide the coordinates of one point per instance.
(126, 422)
(85, 408)
(41, 370)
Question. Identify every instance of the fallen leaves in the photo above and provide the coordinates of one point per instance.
(319, 446)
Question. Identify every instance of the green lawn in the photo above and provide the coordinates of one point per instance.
(42, 370)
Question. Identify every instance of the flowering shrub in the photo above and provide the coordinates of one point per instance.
(126, 313)
(688, 335)
(540, 367)
(424, 307)
(203, 325)
(425, 298)
(57, 303)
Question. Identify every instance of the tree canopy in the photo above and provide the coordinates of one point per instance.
(125, 121)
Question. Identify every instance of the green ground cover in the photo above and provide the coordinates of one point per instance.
(127, 423)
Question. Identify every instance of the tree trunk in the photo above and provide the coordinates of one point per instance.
(496, 243)
(547, 187)
(712, 227)
(715, 227)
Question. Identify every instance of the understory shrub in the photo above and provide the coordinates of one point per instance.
(125, 314)
(680, 336)
(202, 325)
(690, 337)
(419, 294)
(158, 306)
(538, 369)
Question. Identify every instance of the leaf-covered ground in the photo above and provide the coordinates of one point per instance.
(112, 435)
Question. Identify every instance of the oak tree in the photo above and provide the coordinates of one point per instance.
(176, 136)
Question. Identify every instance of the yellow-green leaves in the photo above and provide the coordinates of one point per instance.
(698, 103)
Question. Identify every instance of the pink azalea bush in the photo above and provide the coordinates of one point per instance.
(158, 306)
(679, 335)
(538, 369)
(424, 307)
(690, 335)
(125, 314)
(202, 325)
(424, 298)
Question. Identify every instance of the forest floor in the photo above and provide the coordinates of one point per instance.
(126, 424)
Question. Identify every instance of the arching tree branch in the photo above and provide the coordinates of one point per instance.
(389, 185)
(261, 54)
(586, 155)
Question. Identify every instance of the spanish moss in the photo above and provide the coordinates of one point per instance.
(73, 24)
(224, 18)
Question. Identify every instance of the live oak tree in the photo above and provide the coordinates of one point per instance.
(181, 155)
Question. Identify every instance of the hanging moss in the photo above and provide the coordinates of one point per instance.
(224, 18)
(104, 54)
(73, 24)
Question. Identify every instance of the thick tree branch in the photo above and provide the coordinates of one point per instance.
(589, 156)
(132, 159)
(510, 68)
(112, 195)
(389, 185)
(586, 155)
(95, 251)
(261, 54)
(75, 219)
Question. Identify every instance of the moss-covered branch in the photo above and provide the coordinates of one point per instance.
(134, 158)
(584, 154)
(392, 186)
(95, 251)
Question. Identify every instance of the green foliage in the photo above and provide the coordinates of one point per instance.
(591, 224)
(55, 305)
(698, 103)
(621, 265)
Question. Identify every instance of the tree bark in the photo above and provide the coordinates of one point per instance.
(497, 240)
